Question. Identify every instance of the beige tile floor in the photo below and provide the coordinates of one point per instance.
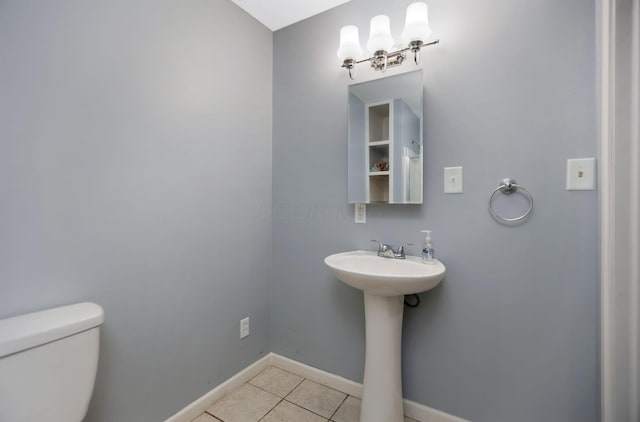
(276, 395)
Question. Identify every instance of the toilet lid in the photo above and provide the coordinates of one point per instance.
(26, 331)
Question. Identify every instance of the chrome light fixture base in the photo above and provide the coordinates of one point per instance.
(415, 47)
(379, 60)
(382, 60)
(350, 65)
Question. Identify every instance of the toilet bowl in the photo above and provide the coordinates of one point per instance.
(48, 363)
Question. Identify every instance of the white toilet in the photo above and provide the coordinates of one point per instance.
(48, 363)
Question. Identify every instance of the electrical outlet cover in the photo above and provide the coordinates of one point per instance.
(244, 327)
(361, 213)
(581, 174)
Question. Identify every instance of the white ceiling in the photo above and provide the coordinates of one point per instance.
(276, 14)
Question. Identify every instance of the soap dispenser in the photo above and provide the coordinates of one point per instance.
(427, 248)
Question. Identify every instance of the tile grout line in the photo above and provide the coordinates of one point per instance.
(206, 412)
(264, 389)
(309, 410)
(338, 408)
(211, 414)
(288, 394)
(271, 410)
(260, 388)
(281, 398)
(296, 386)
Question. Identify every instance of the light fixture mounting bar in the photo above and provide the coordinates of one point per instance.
(393, 53)
(382, 60)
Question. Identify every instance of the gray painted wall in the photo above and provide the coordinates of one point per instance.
(511, 333)
(135, 171)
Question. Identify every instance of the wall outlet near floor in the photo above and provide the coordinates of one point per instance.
(581, 174)
(361, 213)
(244, 327)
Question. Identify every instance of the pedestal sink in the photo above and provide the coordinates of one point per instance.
(384, 282)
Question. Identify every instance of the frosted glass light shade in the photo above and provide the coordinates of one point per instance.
(380, 34)
(349, 43)
(416, 27)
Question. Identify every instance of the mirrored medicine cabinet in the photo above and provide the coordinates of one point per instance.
(385, 140)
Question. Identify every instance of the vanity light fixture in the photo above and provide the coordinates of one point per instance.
(415, 34)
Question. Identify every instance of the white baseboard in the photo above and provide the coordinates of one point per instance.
(411, 409)
(424, 413)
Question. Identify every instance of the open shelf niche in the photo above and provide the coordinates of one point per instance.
(378, 150)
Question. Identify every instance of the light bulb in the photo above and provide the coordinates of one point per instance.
(416, 27)
(349, 43)
(380, 34)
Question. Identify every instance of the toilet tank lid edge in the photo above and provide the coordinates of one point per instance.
(30, 330)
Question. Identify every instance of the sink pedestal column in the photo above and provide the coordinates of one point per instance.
(382, 395)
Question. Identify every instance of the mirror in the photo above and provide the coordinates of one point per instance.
(385, 140)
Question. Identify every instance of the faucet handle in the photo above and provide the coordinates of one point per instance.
(400, 252)
(382, 247)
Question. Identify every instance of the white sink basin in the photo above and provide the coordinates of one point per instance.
(379, 276)
(384, 282)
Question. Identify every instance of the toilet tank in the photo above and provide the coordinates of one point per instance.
(48, 363)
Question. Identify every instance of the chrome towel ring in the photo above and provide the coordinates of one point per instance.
(509, 186)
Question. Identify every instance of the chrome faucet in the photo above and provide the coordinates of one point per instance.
(386, 251)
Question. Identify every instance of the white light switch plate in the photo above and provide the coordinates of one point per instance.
(453, 180)
(581, 174)
(361, 213)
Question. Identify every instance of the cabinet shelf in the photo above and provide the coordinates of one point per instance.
(378, 143)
